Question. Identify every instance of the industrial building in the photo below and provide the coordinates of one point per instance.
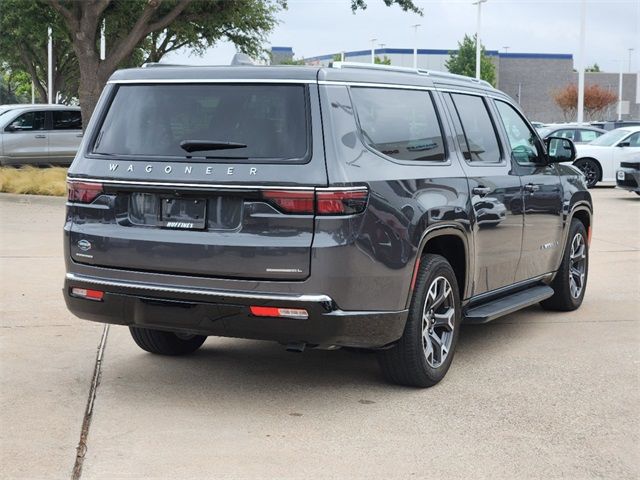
(530, 78)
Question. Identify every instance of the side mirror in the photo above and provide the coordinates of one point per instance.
(10, 128)
(626, 143)
(560, 149)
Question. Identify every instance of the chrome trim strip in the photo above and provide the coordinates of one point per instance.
(211, 80)
(193, 291)
(190, 185)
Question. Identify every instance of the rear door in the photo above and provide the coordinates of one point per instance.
(25, 138)
(496, 193)
(235, 201)
(65, 135)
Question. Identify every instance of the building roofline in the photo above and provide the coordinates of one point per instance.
(431, 51)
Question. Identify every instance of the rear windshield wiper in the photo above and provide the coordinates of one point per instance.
(203, 145)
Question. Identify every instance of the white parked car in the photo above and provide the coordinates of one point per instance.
(39, 134)
(600, 159)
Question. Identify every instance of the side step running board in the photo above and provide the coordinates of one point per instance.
(503, 306)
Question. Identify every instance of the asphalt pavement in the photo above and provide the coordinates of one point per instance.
(532, 395)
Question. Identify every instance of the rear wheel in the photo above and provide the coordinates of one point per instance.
(166, 343)
(571, 280)
(424, 353)
(590, 169)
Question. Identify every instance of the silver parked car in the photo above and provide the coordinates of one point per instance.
(39, 134)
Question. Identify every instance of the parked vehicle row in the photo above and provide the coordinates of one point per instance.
(349, 206)
(39, 134)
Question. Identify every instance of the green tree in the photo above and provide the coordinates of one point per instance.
(15, 86)
(594, 68)
(382, 61)
(136, 31)
(463, 61)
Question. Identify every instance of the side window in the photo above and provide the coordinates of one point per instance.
(523, 140)
(67, 120)
(588, 135)
(570, 134)
(29, 121)
(401, 124)
(481, 140)
(634, 140)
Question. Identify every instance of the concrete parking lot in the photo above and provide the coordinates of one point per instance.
(532, 395)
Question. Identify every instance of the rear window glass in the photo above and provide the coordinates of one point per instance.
(153, 120)
(401, 124)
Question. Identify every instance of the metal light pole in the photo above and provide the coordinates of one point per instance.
(620, 91)
(479, 3)
(49, 67)
(373, 50)
(415, 45)
(103, 42)
(630, 53)
(506, 49)
(583, 21)
(342, 56)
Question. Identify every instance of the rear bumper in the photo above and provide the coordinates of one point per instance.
(226, 313)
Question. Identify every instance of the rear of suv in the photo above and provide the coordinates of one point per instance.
(372, 208)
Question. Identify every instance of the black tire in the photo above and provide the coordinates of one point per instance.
(564, 299)
(590, 169)
(407, 363)
(166, 343)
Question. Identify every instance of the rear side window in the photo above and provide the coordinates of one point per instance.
(152, 120)
(481, 139)
(67, 120)
(401, 124)
(588, 135)
(570, 134)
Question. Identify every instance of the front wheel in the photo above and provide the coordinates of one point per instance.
(166, 343)
(590, 169)
(570, 282)
(424, 353)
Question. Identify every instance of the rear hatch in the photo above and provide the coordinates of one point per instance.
(209, 179)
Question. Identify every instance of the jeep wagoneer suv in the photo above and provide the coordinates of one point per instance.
(348, 206)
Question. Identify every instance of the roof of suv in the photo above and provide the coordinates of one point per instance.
(339, 72)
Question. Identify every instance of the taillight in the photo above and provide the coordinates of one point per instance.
(291, 201)
(83, 192)
(297, 313)
(334, 201)
(341, 202)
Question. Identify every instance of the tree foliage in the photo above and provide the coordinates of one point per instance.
(382, 61)
(593, 69)
(596, 100)
(15, 86)
(463, 61)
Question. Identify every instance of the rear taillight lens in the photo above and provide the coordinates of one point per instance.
(83, 192)
(95, 295)
(291, 201)
(341, 202)
(334, 201)
(297, 313)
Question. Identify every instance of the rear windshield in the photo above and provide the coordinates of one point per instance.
(265, 122)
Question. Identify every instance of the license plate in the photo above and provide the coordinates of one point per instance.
(620, 175)
(183, 213)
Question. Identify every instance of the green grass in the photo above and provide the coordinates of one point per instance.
(34, 181)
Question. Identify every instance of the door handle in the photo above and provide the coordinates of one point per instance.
(530, 187)
(481, 190)
(41, 136)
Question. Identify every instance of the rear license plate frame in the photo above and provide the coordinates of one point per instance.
(183, 213)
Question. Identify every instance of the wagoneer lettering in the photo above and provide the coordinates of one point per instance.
(350, 206)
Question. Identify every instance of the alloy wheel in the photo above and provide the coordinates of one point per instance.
(590, 171)
(438, 321)
(577, 265)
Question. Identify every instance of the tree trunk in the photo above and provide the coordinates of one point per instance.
(92, 81)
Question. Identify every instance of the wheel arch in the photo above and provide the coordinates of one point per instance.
(451, 242)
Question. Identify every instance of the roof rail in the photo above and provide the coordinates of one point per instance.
(418, 71)
(158, 64)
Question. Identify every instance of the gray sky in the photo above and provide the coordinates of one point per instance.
(318, 27)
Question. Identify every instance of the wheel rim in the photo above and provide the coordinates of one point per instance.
(577, 265)
(590, 172)
(438, 322)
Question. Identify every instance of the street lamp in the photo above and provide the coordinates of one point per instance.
(479, 3)
(583, 19)
(630, 52)
(373, 50)
(506, 49)
(415, 45)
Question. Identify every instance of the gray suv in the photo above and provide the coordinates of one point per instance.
(39, 134)
(348, 206)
